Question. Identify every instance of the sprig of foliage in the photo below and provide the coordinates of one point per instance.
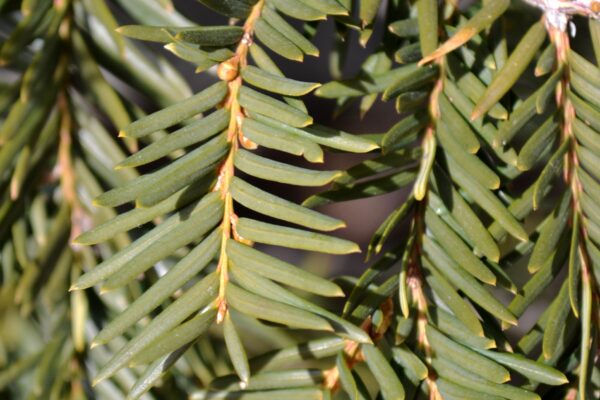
(461, 210)
(244, 280)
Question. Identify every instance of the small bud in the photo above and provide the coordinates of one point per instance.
(228, 70)
(247, 143)
(222, 311)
